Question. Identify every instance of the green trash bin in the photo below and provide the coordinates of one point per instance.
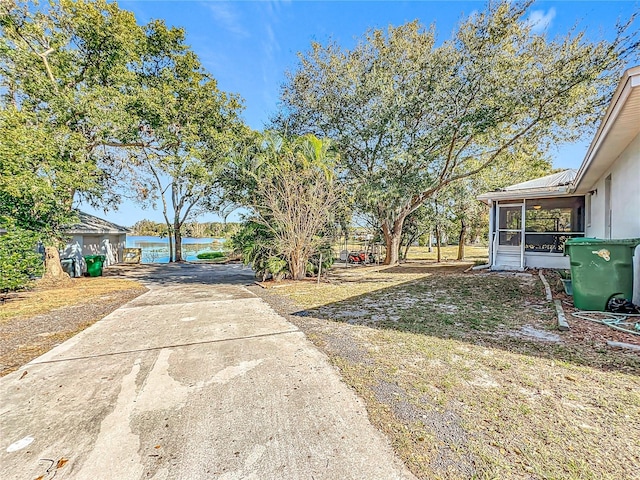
(94, 264)
(600, 269)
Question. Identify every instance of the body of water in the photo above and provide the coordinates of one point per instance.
(156, 249)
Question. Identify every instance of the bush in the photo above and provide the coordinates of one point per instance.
(327, 260)
(19, 261)
(210, 255)
(255, 245)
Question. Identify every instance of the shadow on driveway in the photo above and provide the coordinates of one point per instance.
(184, 273)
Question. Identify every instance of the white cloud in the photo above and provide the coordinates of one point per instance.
(227, 17)
(539, 21)
(270, 46)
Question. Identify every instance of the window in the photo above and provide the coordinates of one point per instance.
(549, 222)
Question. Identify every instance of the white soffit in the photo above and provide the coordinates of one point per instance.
(617, 130)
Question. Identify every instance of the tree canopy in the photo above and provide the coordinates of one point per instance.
(62, 71)
(411, 115)
(186, 130)
(88, 97)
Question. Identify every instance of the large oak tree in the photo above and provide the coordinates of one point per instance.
(64, 70)
(411, 115)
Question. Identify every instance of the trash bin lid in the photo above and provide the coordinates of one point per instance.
(631, 242)
(584, 241)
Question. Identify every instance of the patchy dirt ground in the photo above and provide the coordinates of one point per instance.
(468, 375)
(583, 330)
(34, 322)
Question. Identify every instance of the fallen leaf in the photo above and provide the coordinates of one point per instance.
(24, 374)
(61, 463)
(157, 446)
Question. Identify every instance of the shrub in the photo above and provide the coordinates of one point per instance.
(255, 245)
(19, 261)
(327, 259)
(210, 255)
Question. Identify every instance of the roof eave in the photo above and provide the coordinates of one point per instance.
(524, 194)
(630, 80)
(96, 232)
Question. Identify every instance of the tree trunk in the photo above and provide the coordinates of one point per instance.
(439, 254)
(53, 272)
(461, 239)
(392, 239)
(169, 236)
(413, 239)
(297, 265)
(178, 241)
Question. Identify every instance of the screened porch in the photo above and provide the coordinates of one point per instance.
(531, 232)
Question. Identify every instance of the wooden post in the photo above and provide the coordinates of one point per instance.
(319, 268)
(346, 249)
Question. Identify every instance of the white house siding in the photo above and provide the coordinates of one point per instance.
(625, 197)
(73, 250)
(117, 244)
(110, 246)
(546, 260)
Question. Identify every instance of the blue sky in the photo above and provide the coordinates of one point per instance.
(249, 45)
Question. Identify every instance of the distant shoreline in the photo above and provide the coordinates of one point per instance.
(156, 249)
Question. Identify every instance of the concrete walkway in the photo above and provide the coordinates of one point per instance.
(196, 379)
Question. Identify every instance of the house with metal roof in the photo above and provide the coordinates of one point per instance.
(94, 236)
(530, 221)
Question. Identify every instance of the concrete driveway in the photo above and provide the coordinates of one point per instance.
(196, 379)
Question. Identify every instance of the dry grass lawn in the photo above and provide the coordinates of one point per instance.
(33, 322)
(473, 254)
(44, 300)
(468, 376)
